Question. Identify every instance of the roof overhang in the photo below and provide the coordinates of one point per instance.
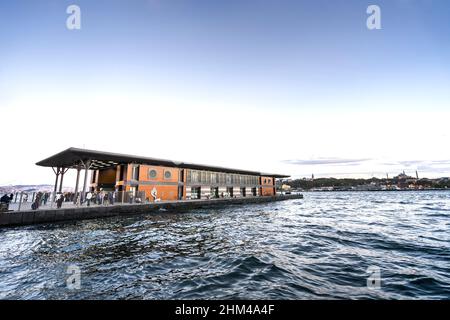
(75, 157)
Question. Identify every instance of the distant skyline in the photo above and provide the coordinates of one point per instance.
(295, 87)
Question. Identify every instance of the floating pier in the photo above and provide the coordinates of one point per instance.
(22, 218)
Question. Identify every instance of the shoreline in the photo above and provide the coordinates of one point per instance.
(401, 190)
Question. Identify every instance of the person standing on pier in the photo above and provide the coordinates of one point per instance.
(88, 198)
(105, 198)
(46, 196)
(5, 199)
(59, 200)
(101, 196)
(111, 197)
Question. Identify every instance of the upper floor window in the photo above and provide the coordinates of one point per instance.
(135, 173)
(152, 173)
(167, 174)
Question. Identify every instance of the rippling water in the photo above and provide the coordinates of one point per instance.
(317, 247)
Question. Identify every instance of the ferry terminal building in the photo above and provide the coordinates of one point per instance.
(160, 179)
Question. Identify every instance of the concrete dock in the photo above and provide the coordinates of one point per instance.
(22, 218)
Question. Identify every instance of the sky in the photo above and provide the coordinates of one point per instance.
(293, 87)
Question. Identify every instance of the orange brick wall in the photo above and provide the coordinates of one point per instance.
(267, 186)
(164, 192)
(144, 174)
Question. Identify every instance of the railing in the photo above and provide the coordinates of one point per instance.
(21, 201)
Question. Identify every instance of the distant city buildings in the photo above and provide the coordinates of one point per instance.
(400, 182)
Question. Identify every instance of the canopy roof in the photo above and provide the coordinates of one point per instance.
(73, 157)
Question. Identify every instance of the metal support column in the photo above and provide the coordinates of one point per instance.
(87, 165)
(76, 184)
(57, 171)
(63, 171)
(57, 176)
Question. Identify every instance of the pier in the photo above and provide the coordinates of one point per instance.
(30, 217)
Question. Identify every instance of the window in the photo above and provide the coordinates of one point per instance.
(195, 193)
(214, 178)
(214, 192)
(194, 176)
(265, 181)
(167, 174)
(152, 174)
(203, 177)
(188, 176)
(135, 173)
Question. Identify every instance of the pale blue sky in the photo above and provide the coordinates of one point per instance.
(305, 78)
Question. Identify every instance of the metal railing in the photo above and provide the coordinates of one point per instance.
(21, 201)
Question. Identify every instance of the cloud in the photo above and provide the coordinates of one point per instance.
(326, 161)
(411, 163)
(424, 163)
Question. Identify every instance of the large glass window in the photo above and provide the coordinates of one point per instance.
(195, 177)
(214, 192)
(188, 176)
(195, 193)
(214, 178)
(203, 177)
(135, 173)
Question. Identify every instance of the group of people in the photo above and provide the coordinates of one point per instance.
(101, 198)
(4, 201)
(40, 199)
(7, 198)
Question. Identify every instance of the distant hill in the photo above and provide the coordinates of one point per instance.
(30, 188)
